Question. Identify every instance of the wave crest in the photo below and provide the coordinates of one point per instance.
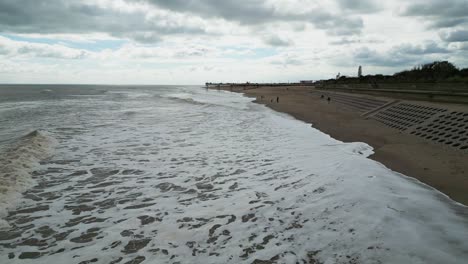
(16, 165)
(216, 98)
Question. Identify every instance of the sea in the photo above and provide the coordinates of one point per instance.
(182, 174)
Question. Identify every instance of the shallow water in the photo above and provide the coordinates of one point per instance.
(185, 175)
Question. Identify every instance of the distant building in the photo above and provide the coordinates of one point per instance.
(307, 81)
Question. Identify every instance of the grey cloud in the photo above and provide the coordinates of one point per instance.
(256, 12)
(142, 37)
(463, 46)
(366, 56)
(401, 55)
(298, 27)
(344, 41)
(448, 8)
(455, 36)
(4, 50)
(429, 48)
(448, 22)
(56, 16)
(337, 25)
(348, 41)
(25, 49)
(361, 6)
(79, 17)
(442, 14)
(194, 52)
(287, 61)
(277, 41)
(248, 12)
(46, 52)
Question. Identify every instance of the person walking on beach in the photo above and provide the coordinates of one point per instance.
(328, 99)
(277, 99)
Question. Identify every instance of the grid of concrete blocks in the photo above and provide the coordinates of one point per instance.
(433, 123)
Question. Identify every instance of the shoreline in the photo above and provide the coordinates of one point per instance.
(440, 167)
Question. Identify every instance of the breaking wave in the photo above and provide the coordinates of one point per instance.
(16, 165)
(220, 98)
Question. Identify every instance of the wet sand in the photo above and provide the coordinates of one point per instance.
(443, 168)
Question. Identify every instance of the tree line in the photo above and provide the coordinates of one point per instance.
(437, 71)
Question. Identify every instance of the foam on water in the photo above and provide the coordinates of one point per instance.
(201, 176)
(16, 166)
(222, 98)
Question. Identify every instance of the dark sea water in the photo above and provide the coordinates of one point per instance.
(180, 174)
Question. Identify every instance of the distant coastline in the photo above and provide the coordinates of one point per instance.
(439, 81)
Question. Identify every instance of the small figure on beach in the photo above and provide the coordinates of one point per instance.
(277, 99)
(321, 97)
(328, 99)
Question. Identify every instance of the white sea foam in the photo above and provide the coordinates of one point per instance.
(16, 166)
(227, 181)
(222, 98)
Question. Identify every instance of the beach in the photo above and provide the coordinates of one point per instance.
(445, 169)
(182, 174)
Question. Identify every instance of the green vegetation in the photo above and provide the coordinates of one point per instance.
(435, 72)
(438, 70)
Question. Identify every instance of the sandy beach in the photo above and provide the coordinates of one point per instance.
(443, 168)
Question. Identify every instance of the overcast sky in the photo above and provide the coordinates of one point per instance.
(191, 42)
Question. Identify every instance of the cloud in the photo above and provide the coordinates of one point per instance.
(459, 35)
(143, 37)
(344, 41)
(360, 6)
(367, 56)
(3, 49)
(463, 46)
(257, 12)
(171, 52)
(448, 22)
(355, 40)
(447, 8)
(240, 37)
(150, 21)
(277, 41)
(287, 62)
(427, 48)
(338, 26)
(441, 14)
(399, 55)
(38, 50)
(246, 12)
(110, 17)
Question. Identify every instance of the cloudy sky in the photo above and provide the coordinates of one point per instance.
(194, 41)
